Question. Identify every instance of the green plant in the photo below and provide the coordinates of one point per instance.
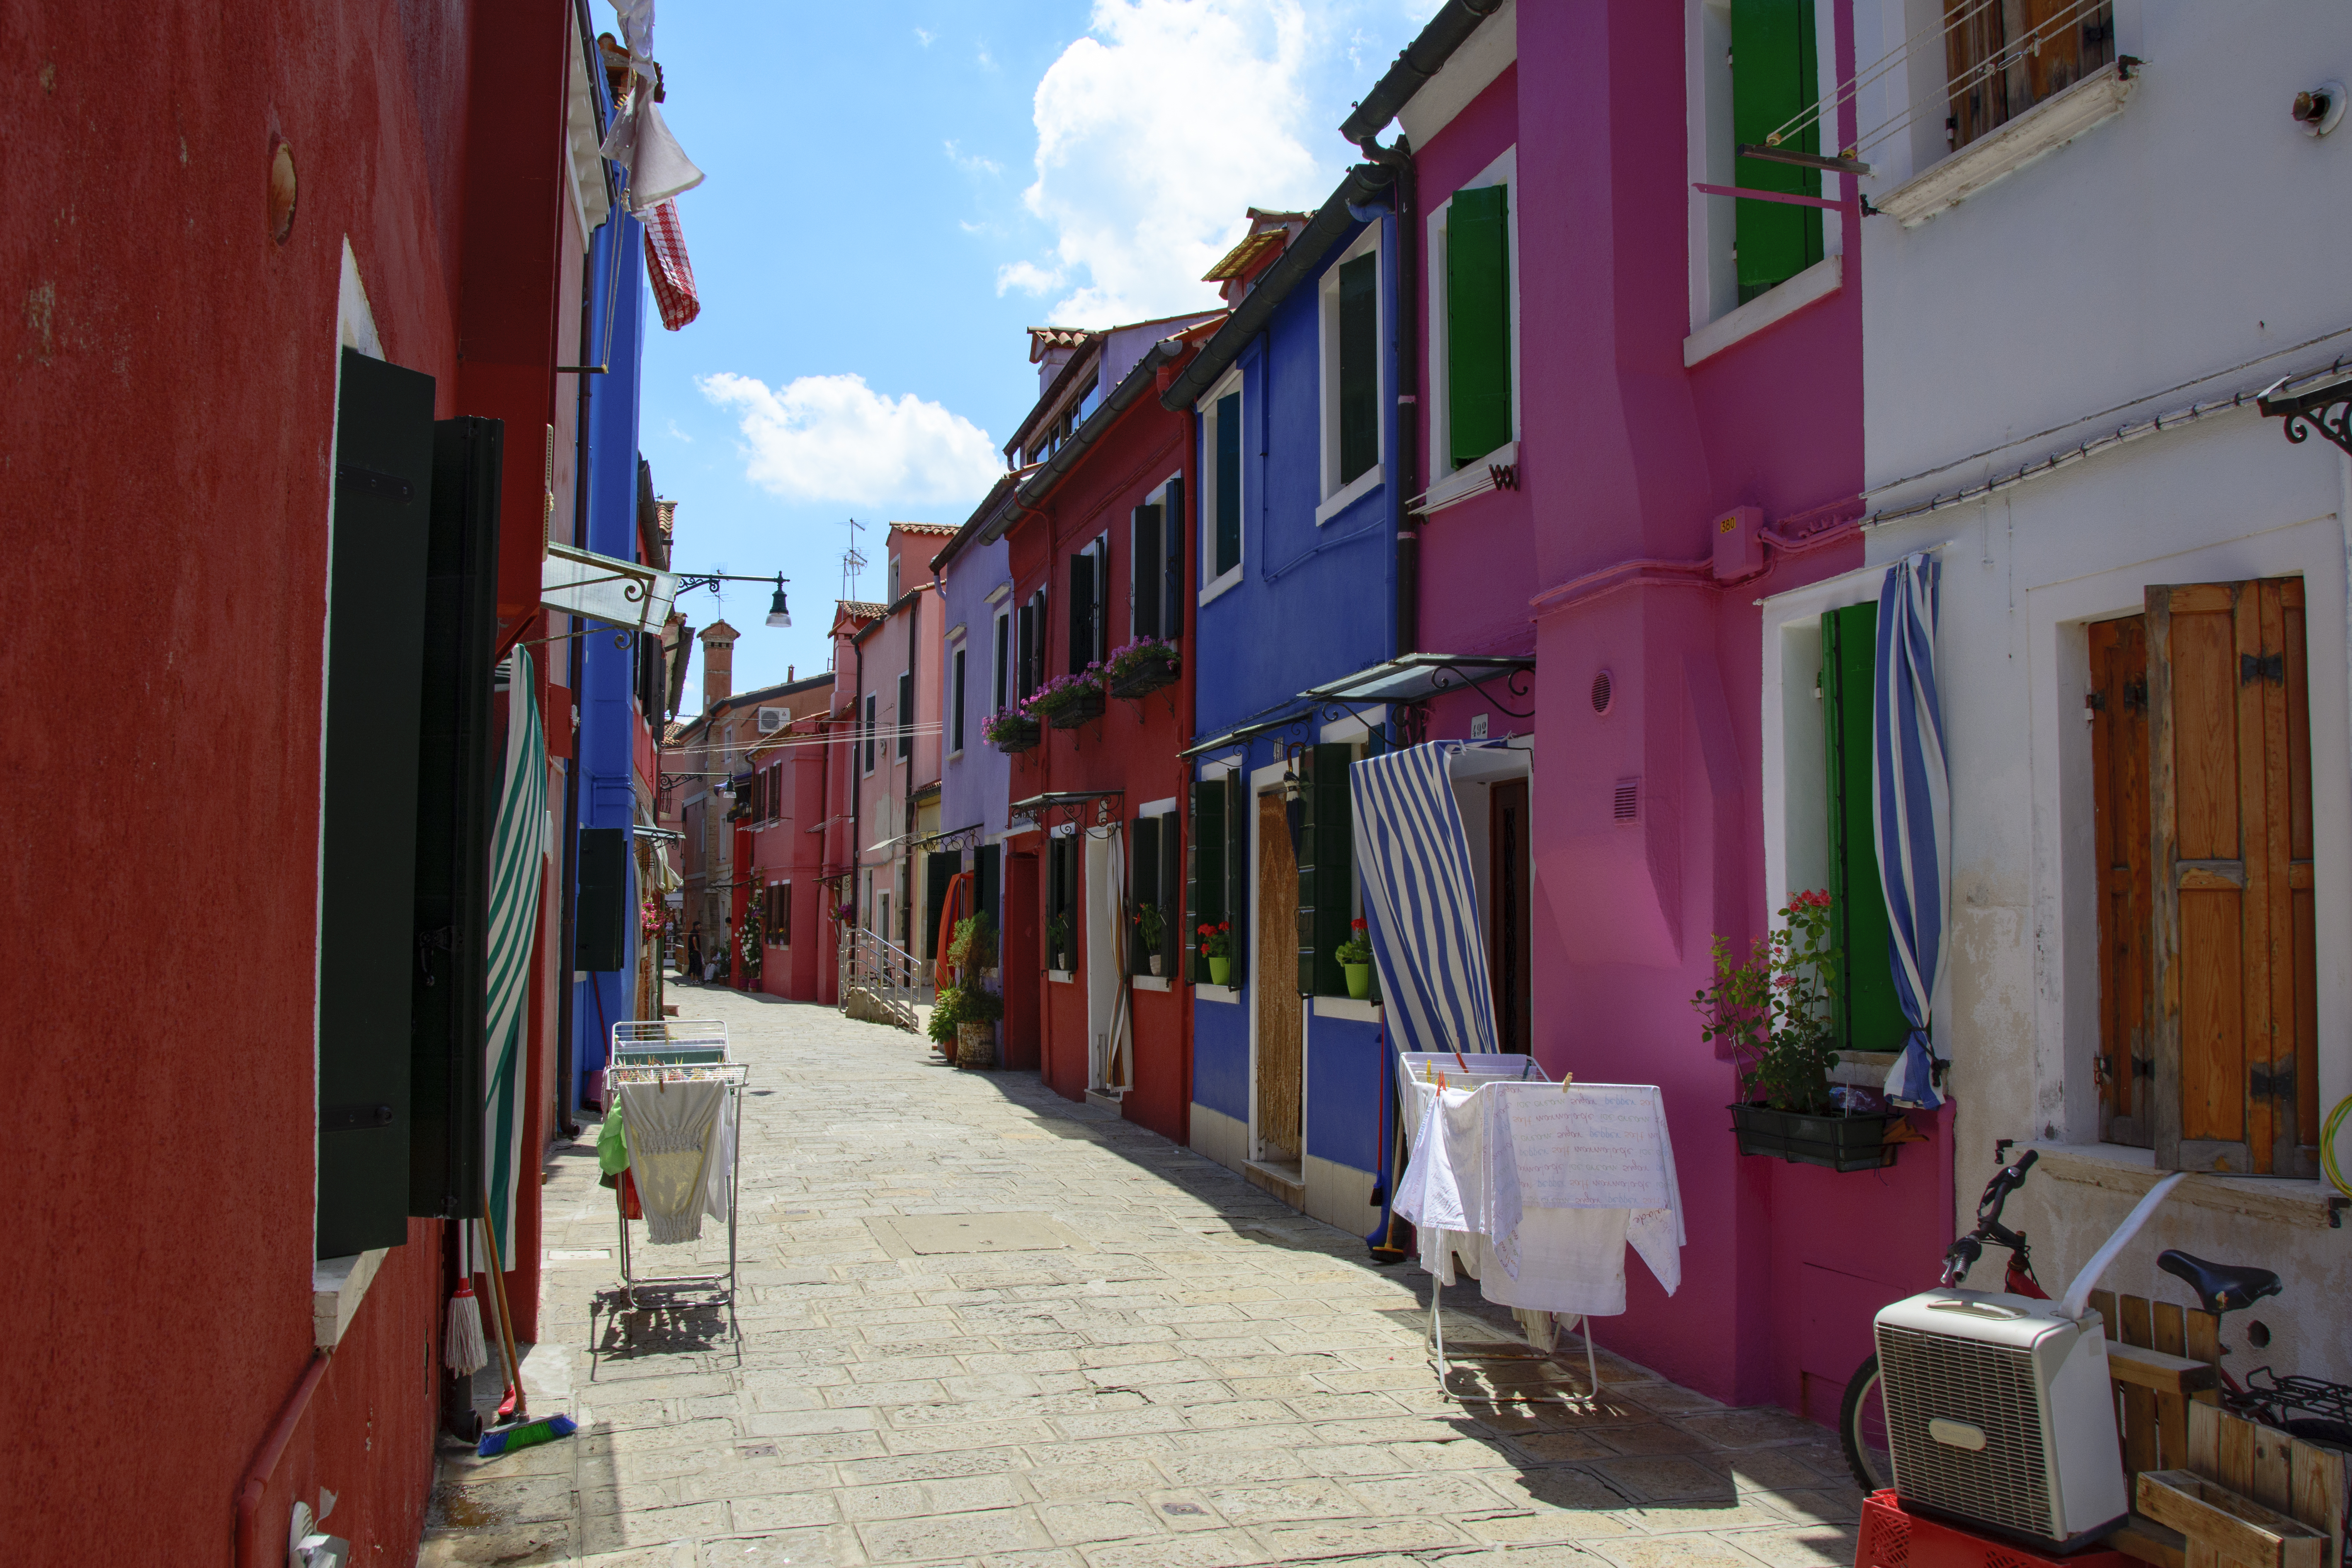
(974, 1006)
(1057, 935)
(1150, 925)
(1773, 1009)
(947, 1012)
(973, 946)
(1358, 948)
(1217, 941)
(1138, 654)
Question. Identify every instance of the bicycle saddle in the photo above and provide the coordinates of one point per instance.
(2219, 1288)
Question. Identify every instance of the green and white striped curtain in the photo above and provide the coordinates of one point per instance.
(518, 849)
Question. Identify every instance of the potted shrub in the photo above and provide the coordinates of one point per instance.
(1057, 942)
(1773, 1009)
(1067, 702)
(1011, 729)
(972, 948)
(1217, 947)
(1355, 956)
(977, 1012)
(1150, 927)
(946, 1013)
(1141, 666)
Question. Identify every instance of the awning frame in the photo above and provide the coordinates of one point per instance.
(1057, 809)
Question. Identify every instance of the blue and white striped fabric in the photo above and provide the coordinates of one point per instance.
(1418, 886)
(1911, 809)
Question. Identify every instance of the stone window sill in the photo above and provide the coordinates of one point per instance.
(1776, 304)
(2042, 129)
(1061, 976)
(1151, 982)
(338, 1285)
(1361, 1012)
(2132, 1172)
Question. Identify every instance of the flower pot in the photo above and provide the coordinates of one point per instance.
(1359, 980)
(1155, 963)
(1145, 679)
(1061, 963)
(1077, 709)
(975, 1045)
(1020, 738)
(1833, 1143)
(1221, 971)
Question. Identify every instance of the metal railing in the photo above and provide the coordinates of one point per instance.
(891, 975)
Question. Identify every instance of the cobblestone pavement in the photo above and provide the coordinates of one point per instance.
(1196, 1375)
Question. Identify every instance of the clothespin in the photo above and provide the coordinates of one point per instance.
(1565, 1079)
(1457, 1057)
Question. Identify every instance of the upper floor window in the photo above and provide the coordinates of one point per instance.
(1157, 572)
(870, 732)
(1030, 644)
(1351, 330)
(1472, 241)
(906, 714)
(1775, 73)
(894, 579)
(2003, 57)
(1089, 618)
(1001, 664)
(955, 701)
(1221, 490)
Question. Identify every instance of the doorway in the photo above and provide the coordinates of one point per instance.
(1507, 932)
(1281, 1017)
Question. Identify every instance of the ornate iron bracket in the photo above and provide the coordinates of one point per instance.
(955, 838)
(2326, 408)
(1096, 811)
(1445, 678)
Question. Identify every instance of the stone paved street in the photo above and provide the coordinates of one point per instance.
(1195, 1376)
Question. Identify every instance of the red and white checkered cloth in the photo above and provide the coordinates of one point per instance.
(666, 264)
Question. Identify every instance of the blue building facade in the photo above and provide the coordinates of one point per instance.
(1297, 515)
(976, 679)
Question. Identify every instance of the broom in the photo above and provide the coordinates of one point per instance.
(523, 1433)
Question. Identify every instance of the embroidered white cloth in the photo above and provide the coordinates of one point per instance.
(671, 1133)
(1463, 1180)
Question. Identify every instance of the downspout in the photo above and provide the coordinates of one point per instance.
(567, 1095)
(904, 848)
(257, 1476)
(1405, 182)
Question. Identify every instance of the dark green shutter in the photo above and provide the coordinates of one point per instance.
(1082, 610)
(1229, 484)
(600, 924)
(457, 787)
(1172, 896)
(1204, 872)
(1143, 607)
(955, 734)
(1172, 582)
(1774, 77)
(1869, 1013)
(1143, 882)
(1478, 322)
(940, 868)
(984, 863)
(367, 914)
(907, 714)
(1359, 369)
(1327, 870)
(1241, 816)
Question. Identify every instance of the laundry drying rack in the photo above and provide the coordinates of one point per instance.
(684, 1050)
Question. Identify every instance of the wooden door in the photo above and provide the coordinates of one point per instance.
(1281, 1017)
(2230, 792)
(2118, 710)
(1507, 926)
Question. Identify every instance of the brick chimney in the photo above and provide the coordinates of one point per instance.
(717, 664)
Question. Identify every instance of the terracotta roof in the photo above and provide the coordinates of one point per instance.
(861, 609)
(941, 529)
(1044, 339)
(673, 730)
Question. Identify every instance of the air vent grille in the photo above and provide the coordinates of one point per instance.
(1992, 1387)
(1628, 803)
(1605, 691)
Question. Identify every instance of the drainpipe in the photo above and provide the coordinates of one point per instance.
(265, 1463)
(1405, 182)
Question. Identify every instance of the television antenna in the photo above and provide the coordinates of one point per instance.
(852, 561)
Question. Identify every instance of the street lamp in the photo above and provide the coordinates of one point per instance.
(778, 616)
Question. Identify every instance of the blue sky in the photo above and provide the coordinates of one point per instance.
(896, 190)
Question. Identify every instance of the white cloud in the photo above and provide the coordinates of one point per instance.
(831, 437)
(1027, 277)
(923, 35)
(679, 434)
(1153, 134)
(973, 162)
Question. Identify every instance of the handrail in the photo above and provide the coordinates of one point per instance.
(890, 974)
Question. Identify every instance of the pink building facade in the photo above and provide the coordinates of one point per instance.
(1681, 443)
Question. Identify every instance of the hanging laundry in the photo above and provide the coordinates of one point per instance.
(671, 273)
(672, 1130)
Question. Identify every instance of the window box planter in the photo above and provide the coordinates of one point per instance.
(1145, 678)
(1833, 1142)
(1077, 709)
(1020, 737)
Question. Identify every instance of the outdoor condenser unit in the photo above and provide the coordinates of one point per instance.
(1998, 1415)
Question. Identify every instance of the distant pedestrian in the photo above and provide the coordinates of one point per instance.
(694, 951)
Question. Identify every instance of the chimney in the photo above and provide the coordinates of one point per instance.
(788, 675)
(717, 664)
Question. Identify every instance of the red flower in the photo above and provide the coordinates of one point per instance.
(1359, 925)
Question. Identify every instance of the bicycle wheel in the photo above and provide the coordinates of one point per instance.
(1862, 1429)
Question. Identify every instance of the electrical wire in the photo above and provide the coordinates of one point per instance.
(1982, 71)
(1804, 118)
(2328, 1146)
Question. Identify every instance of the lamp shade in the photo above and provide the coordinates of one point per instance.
(778, 615)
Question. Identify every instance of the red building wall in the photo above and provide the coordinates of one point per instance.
(169, 438)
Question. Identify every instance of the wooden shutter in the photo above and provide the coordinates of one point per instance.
(1229, 484)
(1172, 582)
(905, 713)
(1146, 561)
(2236, 1084)
(1360, 368)
(456, 789)
(1143, 882)
(2034, 59)
(1866, 1006)
(1238, 878)
(1082, 610)
(955, 735)
(2118, 704)
(1774, 77)
(368, 950)
(1477, 322)
(1326, 870)
(870, 701)
(600, 930)
(1204, 872)
(1172, 893)
(784, 928)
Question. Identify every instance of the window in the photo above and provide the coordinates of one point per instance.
(1866, 1011)
(1062, 903)
(1477, 323)
(1216, 872)
(1775, 76)
(1221, 488)
(1030, 668)
(1351, 327)
(870, 732)
(2207, 966)
(2003, 59)
(1146, 562)
(1327, 869)
(906, 714)
(1089, 621)
(955, 703)
(776, 914)
(1001, 664)
(1155, 877)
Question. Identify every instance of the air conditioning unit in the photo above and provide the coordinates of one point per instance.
(1999, 1417)
(774, 718)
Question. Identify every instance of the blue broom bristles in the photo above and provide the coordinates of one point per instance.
(506, 1439)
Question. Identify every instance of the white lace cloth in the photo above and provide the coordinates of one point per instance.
(673, 1131)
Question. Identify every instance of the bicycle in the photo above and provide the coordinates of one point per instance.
(2220, 1288)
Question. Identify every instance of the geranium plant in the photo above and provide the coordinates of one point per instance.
(1063, 689)
(1150, 925)
(1217, 941)
(1773, 1009)
(1009, 723)
(1142, 652)
(1358, 948)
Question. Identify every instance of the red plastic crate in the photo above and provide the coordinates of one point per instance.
(1893, 1537)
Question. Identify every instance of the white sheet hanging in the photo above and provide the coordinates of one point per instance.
(672, 1131)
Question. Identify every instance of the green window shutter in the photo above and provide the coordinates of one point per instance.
(600, 929)
(1774, 77)
(1143, 885)
(1229, 484)
(1360, 367)
(1144, 599)
(1478, 322)
(367, 894)
(906, 713)
(1172, 582)
(939, 866)
(1204, 872)
(1327, 870)
(1171, 890)
(456, 786)
(1241, 810)
(1082, 610)
(1868, 1012)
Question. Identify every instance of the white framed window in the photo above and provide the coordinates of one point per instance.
(1473, 376)
(1224, 494)
(1353, 325)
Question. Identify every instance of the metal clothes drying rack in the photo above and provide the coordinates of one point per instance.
(1429, 1071)
(628, 1064)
